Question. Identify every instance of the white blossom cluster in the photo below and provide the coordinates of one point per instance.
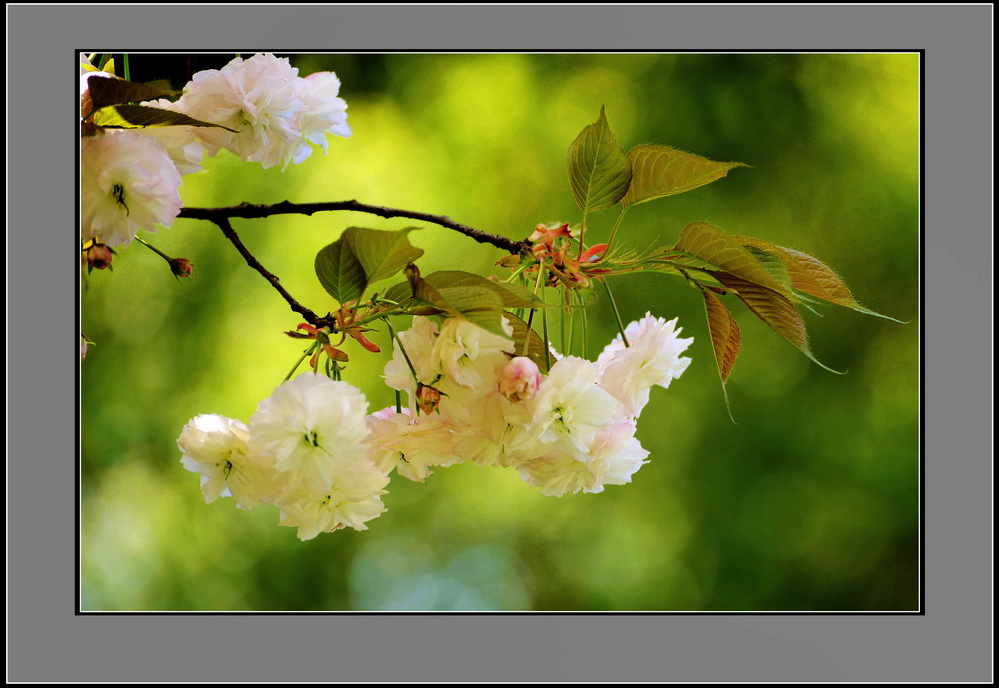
(130, 178)
(312, 449)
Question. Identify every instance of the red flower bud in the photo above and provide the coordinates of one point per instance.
(99, 256)
(364, 341)
(181, 267)
(427, 398)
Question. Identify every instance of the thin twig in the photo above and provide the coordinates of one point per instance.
(249, 211)
(230, 234)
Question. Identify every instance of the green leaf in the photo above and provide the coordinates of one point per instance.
(516, 296)
(422, 289)
(536, 347)
(142, 116)
(340, 272)
(399, 293)
(683, 264)
(774, 263)
(599, 173)
(710, 244)
(381, 253)
(361, 257)
(774, 309)
(478, 305)
(510, 295)
(659, 171)
(106, 91)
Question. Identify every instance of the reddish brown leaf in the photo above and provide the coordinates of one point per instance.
(110, 91)
(774, 309)
(725, 336)
(810, 276)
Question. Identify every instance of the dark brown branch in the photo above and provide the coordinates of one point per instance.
(230, 234)
(247, 210)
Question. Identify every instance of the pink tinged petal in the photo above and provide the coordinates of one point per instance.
(128, 182)
(519, 379)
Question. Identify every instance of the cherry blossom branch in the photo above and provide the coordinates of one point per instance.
(251, 211)
(230, 234)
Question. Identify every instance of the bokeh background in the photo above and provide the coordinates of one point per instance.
(809, 502)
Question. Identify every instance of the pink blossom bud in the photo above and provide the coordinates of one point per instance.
(83, 347)
(98, 256)
(520, 379)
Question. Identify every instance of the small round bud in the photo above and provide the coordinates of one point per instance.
(181, 267)
(99, 256)
(520, 379)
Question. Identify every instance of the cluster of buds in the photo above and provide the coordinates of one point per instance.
(322, 346)
(344, 325)
(345, 319)
(553, 246)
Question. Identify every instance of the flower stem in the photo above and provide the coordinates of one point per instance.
(516, 273)
(561, 331)
(153, 249)
(617, 314)
(530, 317)
(403, 349)
(572, 324)
(613, 232)
(299, 361)
(548, 346)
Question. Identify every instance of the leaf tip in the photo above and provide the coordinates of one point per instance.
(728, 405)
(825, 367)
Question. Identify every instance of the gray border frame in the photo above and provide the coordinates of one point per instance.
(48, 642)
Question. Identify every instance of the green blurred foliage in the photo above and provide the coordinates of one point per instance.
(809, 502)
